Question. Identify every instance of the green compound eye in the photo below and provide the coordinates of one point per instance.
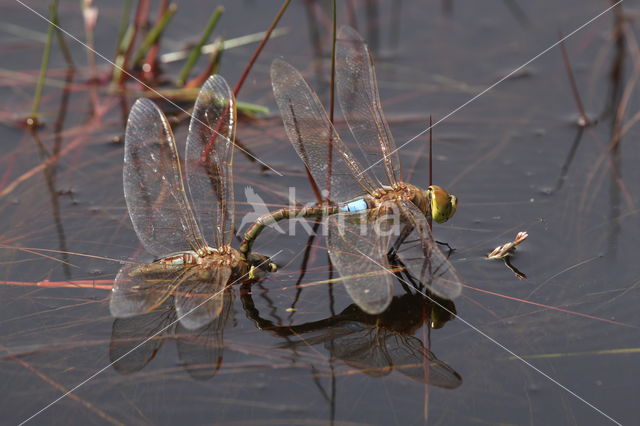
(443, 205)
(252, 273)
(260, 266)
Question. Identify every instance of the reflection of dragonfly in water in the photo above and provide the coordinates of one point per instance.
(365, 189)
(375, 344)
(164, 219)
(140, 338)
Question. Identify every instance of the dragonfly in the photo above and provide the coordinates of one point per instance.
(167, 213)
(200, 351)
(366, 186)
(373, 344)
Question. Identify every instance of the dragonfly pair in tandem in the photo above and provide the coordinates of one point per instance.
(168, 216)
(373, 212)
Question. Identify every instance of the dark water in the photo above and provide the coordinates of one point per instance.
(514, 157)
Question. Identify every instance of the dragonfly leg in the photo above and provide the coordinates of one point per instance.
(406, 231)
(451, 249)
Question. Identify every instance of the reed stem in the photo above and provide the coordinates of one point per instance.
(61, 41)
(154, 34)
(212, 66)
(332, 84)
(267, 36)
(32, 120)
(120, 61)
(583, 120)
(197, 49)
(124, 23)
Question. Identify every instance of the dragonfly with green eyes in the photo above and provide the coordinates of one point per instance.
(167, 215)
(368, 198)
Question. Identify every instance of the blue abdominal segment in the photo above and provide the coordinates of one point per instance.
(355, 206)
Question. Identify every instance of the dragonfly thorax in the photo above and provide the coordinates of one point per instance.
(401, 192)
(226, 256)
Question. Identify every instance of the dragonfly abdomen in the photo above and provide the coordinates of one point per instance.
(183, 258)
(357, 205)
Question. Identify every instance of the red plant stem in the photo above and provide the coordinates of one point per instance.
(95, 284)
(253, 59)
(142, 14)
(151, 60)
(214, 60)
(332, 82)
(430, 219)
(572, 80)
(553, 308)
(62, 389)
(207, 151)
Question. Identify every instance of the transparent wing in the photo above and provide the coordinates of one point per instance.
(153, 186)
(423, 259)
(358, 248)
(136, 340)
(408, 355)
(363, 349)
(201, 351)
(209, 157)
(140, 288)
(199, 302)
(359, 100)
(311, 134)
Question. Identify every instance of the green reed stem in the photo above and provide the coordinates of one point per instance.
(61, 41)
(216, 55)
(197, 49)
(124, 23)
(251, 109)
(44, 65)
(154, 34)
(121, 55)
(212, 66)
(126, 47)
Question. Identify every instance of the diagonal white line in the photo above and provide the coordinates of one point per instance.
(500, 345)
(495, 84)
(137, 346)
(151, 89)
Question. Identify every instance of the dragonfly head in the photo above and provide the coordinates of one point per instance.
(443, 311)
(443, 205)
(260, 265)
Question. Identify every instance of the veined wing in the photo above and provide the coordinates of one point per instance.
(312, 134)
(363, 349)
(358, 247)
(408, 355)
(201, 351)
(153, 185)
(209, 157)
(140, 288)
(422, 257)
(136, 340)
(199, 302)
(360, 102)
